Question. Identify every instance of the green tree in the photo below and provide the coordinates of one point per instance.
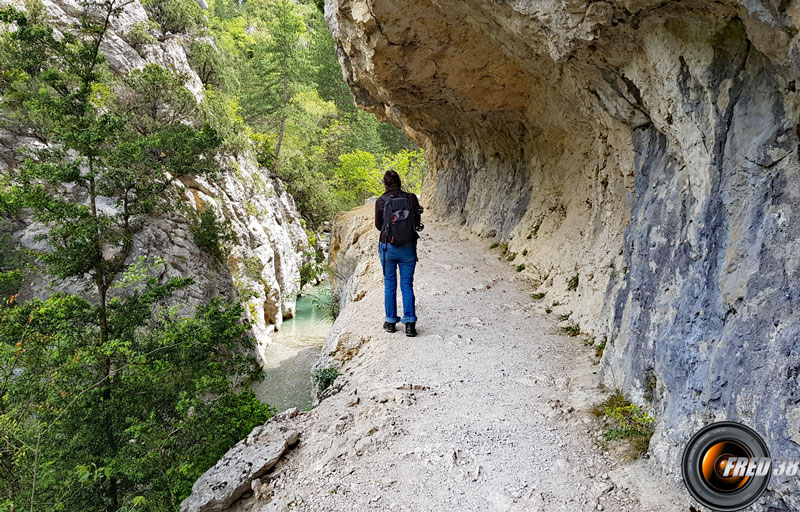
(276, 66)
(358, 177)
(108, 400)
(410, 165)
(176, 16)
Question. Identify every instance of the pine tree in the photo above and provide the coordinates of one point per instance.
(106, 399)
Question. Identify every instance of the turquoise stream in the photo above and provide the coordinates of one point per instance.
(292, 353)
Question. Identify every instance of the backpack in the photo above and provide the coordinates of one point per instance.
(398, 219)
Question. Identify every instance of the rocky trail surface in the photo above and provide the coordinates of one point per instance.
(488, 408)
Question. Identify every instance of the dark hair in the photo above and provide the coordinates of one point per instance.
(391, 179)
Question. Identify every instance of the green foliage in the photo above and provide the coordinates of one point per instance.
(314, 266)
(140, 35)
(108, 401)
(12, 261)
(210, 234)
(571, 330)
(155, 97)
(207, 61)
(410, 165)
(511, 256)
(223, 114)
(599, 348)
(538, 295)
(503, 246)
(324, 377)
(325, 301)
(357, 177)
(149, 410)
(521, 267)
(175, 16)
(572, 283)
(564, 317)
(628, 421)
(272, 76)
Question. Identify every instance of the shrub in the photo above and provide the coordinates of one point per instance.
(211, 236)
(538, 295)
(10, 282)
(572, 329)
(222, 113)
(599, 348)
(311, 269)
(650, 382)
(628, 421)
(12, 260)
(139, 35)
(207, 61)
(324, 377)
(521, 267)
(411, 166)
(176, 16)
(511, 256)
(503, 249)
(563, 317)
(325, 301)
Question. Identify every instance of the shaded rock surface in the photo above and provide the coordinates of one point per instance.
(270, 242)
(640, 159)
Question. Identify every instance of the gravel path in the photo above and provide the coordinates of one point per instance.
(487, 409)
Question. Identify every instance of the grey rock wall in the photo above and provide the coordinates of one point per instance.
(648, 148)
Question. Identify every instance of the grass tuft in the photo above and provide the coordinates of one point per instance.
(572, 284)
(627, 421)
(324, 377)
(572, 329)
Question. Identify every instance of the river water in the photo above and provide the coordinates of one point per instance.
(291, 355)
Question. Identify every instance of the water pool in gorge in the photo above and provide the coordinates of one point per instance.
(292, 353)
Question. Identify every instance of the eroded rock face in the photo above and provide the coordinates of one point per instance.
(234, 474)
(270, 242)
(648, 148)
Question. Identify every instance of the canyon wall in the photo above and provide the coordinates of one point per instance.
(270, 243)
(640, 159)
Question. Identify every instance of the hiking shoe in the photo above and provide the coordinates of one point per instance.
(389, 327)
(411, 329)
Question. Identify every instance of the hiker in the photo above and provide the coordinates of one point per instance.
(397, 216)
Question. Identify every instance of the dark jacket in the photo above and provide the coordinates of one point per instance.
(379, 204)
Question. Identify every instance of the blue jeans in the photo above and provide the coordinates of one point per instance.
(404, 257)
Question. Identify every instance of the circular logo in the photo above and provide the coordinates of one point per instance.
(726, 466)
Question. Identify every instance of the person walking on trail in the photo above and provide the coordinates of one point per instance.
(397, 216)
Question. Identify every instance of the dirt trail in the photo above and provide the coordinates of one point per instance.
(487, 409)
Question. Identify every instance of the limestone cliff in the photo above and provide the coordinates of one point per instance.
(649, 148)
(270, 242)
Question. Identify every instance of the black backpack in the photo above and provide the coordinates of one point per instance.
(398, 219)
